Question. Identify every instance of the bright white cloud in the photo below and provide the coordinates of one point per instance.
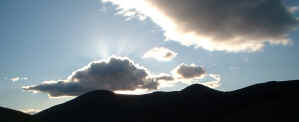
(16, 79)
(31, 111)
(134, 92)
(160, 54)
(215, 25)
(214, 83)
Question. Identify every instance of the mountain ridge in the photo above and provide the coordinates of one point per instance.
(271, 101)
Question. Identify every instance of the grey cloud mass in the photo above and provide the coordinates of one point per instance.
(119, 74)
(184, 71)
(221, 25)
(113, 74)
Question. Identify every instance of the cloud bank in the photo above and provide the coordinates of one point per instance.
(160, 54)
(216, 25)
(117, 74)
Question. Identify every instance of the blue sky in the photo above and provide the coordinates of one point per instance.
(48, 40)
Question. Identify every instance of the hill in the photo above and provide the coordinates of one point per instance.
(271, 101)
(8, 115)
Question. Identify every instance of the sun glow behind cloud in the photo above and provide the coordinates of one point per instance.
(146, 9)
(107, 48)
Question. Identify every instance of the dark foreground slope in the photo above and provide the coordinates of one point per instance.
(8, 115)
(272, 101)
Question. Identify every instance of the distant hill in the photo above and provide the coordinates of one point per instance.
(272, 101)
(266, 102)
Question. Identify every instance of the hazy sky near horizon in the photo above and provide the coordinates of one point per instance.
(158, 45)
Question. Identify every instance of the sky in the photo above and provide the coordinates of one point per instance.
(52, 51)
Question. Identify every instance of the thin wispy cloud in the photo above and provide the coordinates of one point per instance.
(160, 54)
(16, 79)
(228, 25)
(293, 9)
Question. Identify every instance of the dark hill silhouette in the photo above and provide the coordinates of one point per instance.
(272, 101)
(266, 102)
(8, 115)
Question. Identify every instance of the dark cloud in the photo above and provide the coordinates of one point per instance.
(115, 74)
(184, 71)
(121, 75)
(190, 74)
(59, 88)
(228, 25)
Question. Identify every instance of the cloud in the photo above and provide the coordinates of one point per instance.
(121, 75)
(217, 25)
(215, 83)
(186, 72)
(163, 77)
(16, 79)
(115, 74)
(31, 111)
(293, 9)
(25, 78)
(160, 54)
(183, 73)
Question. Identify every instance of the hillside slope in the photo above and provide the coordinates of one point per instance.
(8, 115)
